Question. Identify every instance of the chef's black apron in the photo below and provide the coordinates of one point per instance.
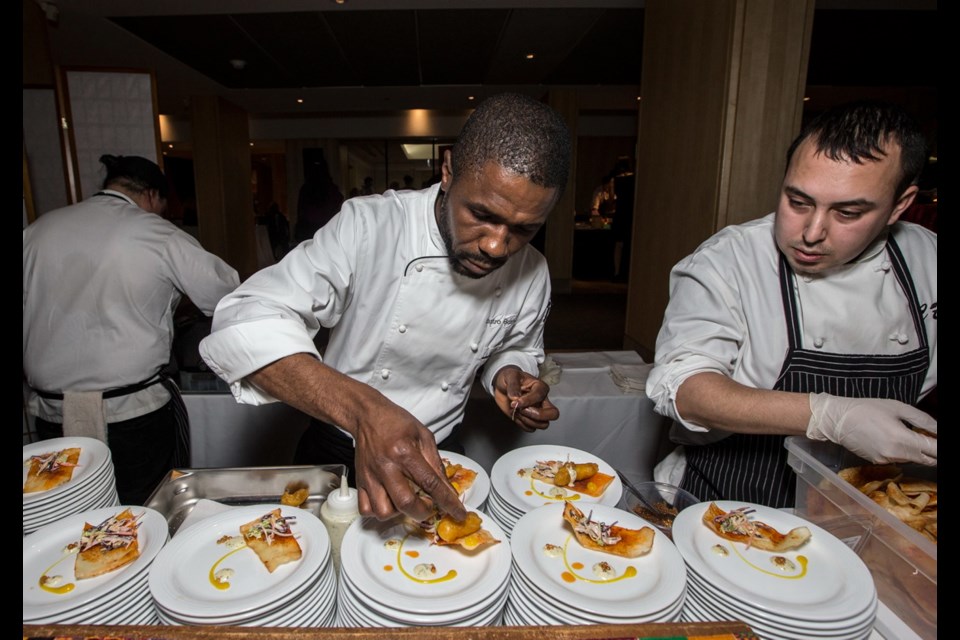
(145, 448)
(753, 468)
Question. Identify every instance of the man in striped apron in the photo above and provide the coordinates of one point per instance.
(818, 320)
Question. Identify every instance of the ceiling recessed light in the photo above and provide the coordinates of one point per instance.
(251, 144)
(806, 98)
(639, 98)
(170, 146)
(299, 100)
(530, 56)
(471, 98)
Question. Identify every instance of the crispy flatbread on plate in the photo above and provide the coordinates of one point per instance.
(459, 476)
(107, 546)
(735, 525)
(613, 539)
(272, 539)
(50, 470)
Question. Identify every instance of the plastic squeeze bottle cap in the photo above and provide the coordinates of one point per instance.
(343, 502)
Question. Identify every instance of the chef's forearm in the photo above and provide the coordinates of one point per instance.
(305, 383)
(715, 401)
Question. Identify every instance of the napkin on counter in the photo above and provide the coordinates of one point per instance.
(631, 378)
(550, 371)
(201, 510)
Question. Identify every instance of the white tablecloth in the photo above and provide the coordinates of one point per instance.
(595, 415)
(226, 434)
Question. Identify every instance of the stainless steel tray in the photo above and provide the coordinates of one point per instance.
(181, 489)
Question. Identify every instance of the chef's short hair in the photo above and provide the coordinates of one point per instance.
(858, 132)
(133, 173)
(520, 134)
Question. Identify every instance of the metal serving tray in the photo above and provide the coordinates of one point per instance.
(181, 489)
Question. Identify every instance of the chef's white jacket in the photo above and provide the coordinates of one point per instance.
(403, 321)
(726, 311)
(101, 281)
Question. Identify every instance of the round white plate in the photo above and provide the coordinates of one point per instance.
(521, 492)
(836, 584)
(180, 582)
(660, 579)
(479, 573)
(45, 546)
(527, 594)
(743, 610)
(480, 489)
(93, 455)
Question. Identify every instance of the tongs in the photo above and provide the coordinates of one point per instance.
(652, 507)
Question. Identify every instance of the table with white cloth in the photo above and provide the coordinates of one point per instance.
(619, 427)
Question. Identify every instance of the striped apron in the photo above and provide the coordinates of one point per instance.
(753, 468)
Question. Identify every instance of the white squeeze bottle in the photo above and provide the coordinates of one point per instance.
(337, 512)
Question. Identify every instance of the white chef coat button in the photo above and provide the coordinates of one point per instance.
(807, 279)
(818, 343)
(498, 292)
(419, 268)
(402, 328)
(885, 265)
(444, 386)
(385, 373)
(474, 346)
(902, 338)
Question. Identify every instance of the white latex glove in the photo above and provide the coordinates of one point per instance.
(873, 429)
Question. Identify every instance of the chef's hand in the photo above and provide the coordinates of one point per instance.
(873, 428)
(523, 398)
(396, 454)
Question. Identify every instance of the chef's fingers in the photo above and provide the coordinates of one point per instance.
(372, 498)
(538, 416)
(928, 451)
(434, 484)
(918, 418)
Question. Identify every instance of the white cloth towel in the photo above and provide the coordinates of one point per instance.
(631, 378)
(84, 415)
(550, 371)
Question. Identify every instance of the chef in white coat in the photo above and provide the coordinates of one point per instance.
(819, 319)
(422, 289)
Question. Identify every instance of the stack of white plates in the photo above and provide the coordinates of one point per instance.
(560, 588)
(513, 495)
(475, 497)
(297, 594)
(826, 591)
(92, 485)
(118, 597)
(385, 580)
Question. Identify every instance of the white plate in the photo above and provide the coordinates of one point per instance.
(518, 492)
(743, 610)
(93, 455)
(179, 579)
(45, 546)
(526, 594)
(479, 573)
(715, 611)
(660, 579)
(836, 585)
(480, 489)
(384, 612)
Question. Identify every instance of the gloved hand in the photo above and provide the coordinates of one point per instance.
(873, 428)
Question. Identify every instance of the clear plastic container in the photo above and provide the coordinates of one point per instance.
(903, 562)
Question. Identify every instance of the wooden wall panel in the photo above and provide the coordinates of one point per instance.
(722, 98)
(221, 155)
(559, 228)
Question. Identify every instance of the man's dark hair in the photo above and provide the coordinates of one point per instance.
(133, 173)
(521, 135)
(859, 131)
